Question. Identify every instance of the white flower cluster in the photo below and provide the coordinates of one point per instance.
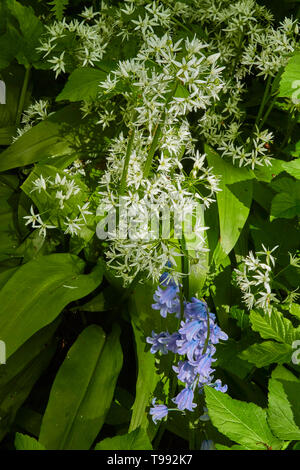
(58, 190)
(76, 43)
(35, 113)
(182, 79)
(256, 278)
(243, 33)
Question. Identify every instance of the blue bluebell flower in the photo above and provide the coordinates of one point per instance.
(185, 372)
(167, 300)
(184, 399)
(218, 386)
(158, 412)
(207, 444)
(192, 341)
(159, 342)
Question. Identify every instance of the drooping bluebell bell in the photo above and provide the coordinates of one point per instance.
(207, 444)
(184, 399)
(159, 342)
(166, 300)
(158, 411)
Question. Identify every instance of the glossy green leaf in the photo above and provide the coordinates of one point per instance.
(82, 391)
(21, 371)
(290, 79)
(234, 200)
(38, 291)
(83, 84)
(287, 204)
(42, 141)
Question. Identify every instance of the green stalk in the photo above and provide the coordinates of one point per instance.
(185, 267)
(157, 135)
(153, 146)
(264, 100)
(126, 162)
(208, 331)
(267, 112)
(192, 437)
(23, 95)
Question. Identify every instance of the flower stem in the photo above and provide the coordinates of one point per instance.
(126, 162)
(157, 135)
(23, 95)
(264, 100)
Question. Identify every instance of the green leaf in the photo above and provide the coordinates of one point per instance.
(234, 200)
(31, 30)
(21, 371)
(290, 77)
(267, 353)
(287, 204)
(244, 423)
(42, 141)
(82, 391)
(83, 84)
(280, 415)
(58, 7)
(273, 326)
(144, 319)
(44, 285)
(293, 168)
(24, 442)
(135, 440)
(295, 310)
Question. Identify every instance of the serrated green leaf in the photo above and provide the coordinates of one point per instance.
(58, 7)
(244, 423)
(266, 353)
(280, 415)
(273, 326)
(24, 442)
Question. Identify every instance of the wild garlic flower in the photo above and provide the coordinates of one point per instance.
(255, 279)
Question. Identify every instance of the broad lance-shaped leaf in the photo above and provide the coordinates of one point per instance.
(82, 391)
(21, 371)
(274, 326)
(234, 200)
(44, 140)
(135, 440)
(280, 414)
(82, 84)
(244, 423)
(38, 291)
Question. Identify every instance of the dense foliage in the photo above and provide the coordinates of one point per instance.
(149, 224)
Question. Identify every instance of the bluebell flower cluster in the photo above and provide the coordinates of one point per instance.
(194, 342)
